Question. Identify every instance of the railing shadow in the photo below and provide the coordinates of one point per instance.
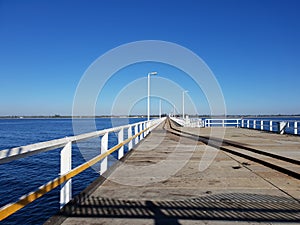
(225, 207)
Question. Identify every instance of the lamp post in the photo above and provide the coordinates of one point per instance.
(185, 91)
(174, 111)
(149, 74)
(159, 108)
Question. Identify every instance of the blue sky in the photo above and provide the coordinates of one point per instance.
(252, 47)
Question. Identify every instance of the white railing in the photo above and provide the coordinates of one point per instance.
(196, 122)
(289, 127)
(135, 133)
(178, 120)
(226, 122)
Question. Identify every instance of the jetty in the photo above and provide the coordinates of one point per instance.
(174, 174)
(254, 177)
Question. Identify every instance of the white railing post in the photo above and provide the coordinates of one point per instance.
(140, 129)
(295, 127)
(104, 147)
(271, 125)
(146, 125)
(143, 128)
(223, 123)
(248, 124)
(149, 125)
(254, 124)
(136, 140)
(242, 123)
(129, 132)
(261, 124)
(65, 167)
(120, 140)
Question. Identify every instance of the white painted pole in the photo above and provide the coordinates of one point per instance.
(185, 91)
(135, 132)
(261, 124)
(104, 147)
(65, 167)
(120, 140)
(254, 124)
(295, 127)
(183, 105)
(148, 102)
(271, 125)
(139, 129)
(174, 110)
(148, 105)
(129, 134)
(159, 108)
(142, 128)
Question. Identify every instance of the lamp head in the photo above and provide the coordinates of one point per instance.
(152, 73)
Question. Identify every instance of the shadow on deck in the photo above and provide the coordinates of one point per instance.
(225, 207)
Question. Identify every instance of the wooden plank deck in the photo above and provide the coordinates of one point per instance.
(159, 182)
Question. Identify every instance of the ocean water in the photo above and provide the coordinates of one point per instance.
(21, 176)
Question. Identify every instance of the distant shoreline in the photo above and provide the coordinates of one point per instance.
(144, 116)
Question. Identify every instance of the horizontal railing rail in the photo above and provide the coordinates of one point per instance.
(223, 122)
(278, 126)
(140, 130)
(226, 122)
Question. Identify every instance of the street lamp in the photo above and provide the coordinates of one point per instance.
(149, 74)
(174, 111)
(185, 91)
(159, 108)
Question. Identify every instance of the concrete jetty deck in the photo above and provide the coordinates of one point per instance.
(162, 181)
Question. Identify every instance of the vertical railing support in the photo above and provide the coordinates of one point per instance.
(65, 167)
(261, 124)
(136, 140)
(104, 147)
(149, 125)
(242, 123)
(129, 132)
(295, 127)
(142, 127)
(142, 135)
(254, 124)
(120, 140)
(271, 125)
(248, 124)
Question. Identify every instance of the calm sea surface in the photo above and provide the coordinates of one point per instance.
(24, 175)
